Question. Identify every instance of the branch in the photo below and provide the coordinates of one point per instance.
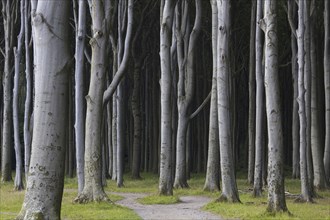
(88, 56)
(123, 66)
(2, 52)
(290, 19)
(200, 107)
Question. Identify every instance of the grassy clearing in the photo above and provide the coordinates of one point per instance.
(250, 208)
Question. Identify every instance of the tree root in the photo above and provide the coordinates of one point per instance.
(84, 198)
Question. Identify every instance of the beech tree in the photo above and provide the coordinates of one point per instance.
(18, 147)
(165, 177)
(7, 120)
(260, 106)
(185, 56)
(93, 189)
(326, 157)
(46, 174)
(229, 188)
(212, 179)
(276, 196)
(79, 92)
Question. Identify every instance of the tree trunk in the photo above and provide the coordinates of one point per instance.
(307, 94)
(276, 196)
(212, 180)
(326, 62)
(46, 174)
(7, 142)
(229, 187)
(305, 193)
(292, 14)
(93, 189)
(136, 163)
(18, 147)
(28, 97)
(120, 134)
(318, 165)
(165, 178)
(260, 107)
(185, 51)
(252, 96)
(79, 93)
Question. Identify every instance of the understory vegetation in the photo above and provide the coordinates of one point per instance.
(249, 208)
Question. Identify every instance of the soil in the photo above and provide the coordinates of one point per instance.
(188, 208)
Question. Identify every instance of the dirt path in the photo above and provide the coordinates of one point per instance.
(188, 208)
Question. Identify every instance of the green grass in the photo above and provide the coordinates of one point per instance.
(250, 208)
(11, 203)
(255, 208)
(157, 199)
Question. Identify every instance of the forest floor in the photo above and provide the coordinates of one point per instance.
(139, 199)
(189, 207)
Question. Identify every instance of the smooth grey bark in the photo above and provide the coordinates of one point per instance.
(212, 179)
(120, 95)
(276, 196)
(260, 106)
(307, 93)
(46, 174)
(7, 142)
(165, 177)
(317, 154)
(93, 189)
(229, 188)
(326, 157)
(252, 95)
(305, 193)
(18, 184)
(79, 93)
(185, 83)
(292, 17)
(114, 136)
(28, 97)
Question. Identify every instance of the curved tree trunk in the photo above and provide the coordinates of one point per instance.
(260, 107)
(185, 51)
(212, 180)
(79, 93)
(229, 187)
(276, 196)
(46, 174)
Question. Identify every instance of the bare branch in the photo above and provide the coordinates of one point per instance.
(206, 100)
